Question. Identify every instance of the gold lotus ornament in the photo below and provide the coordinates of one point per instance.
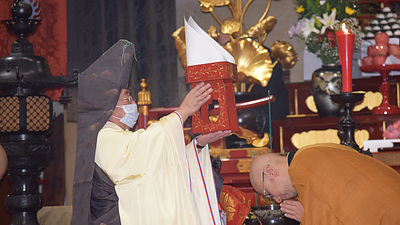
(180, 45)
(230, 26)
(212, 31)
(207, 4)
(260, 29)
(252, 59)
(285, 53)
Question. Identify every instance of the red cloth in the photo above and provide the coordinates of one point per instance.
(234, 203)
(49, 40)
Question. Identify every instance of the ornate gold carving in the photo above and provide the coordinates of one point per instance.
(222, 153)
(261, 142)
(211, 71)
(250, 152)
(285, 52)
(229, 205)
(251, 137)
(371, 100)
(144, 96)
(311, 104)
(360, 136)
(325, 136)
(246, 134)
(253, 60)
(254, 152)
(220, 123)
(180, 45)
(243, 165)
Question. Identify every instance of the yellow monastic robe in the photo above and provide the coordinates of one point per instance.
(155, 178)
(338, 185)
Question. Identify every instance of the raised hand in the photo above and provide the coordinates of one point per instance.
(194, 100)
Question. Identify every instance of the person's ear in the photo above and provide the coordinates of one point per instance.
(270, 172)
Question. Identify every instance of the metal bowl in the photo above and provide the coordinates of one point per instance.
(270, 214)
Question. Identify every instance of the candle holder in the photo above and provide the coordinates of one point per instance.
(384, 70)
(347, 124)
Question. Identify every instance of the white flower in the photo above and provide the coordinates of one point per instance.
(309, 27)
(322, 2)
(328, 21)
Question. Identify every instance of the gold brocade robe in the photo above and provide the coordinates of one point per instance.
(338, 185)
(156, 179)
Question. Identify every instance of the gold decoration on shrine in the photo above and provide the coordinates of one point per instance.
(261, 142)
(252, 138)
(253, 60)
(370, 101)
(302, 139)
(250, 152)
(243, 165)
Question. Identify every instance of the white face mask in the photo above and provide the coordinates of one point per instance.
(131, 115)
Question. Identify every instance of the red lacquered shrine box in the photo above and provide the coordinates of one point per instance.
(221, 76)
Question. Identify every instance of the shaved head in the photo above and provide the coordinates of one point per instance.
(276, 177)
(257, 166)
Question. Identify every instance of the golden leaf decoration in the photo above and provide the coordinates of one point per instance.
(370, 101)
(311, 104)
(246, 134)
(252, 60)
(215, 2)
(285, 53)
(212, 31)
(261, 142)
(230, 26)
(228, 205)
(206, 7)
(304, 138)
(260, 28)
(180, 44)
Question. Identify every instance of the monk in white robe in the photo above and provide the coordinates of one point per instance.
(158, 180)
(142, 177)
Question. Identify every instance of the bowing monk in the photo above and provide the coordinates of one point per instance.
(334, 184)
(141, 177)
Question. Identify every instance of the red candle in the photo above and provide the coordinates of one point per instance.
(345, 41)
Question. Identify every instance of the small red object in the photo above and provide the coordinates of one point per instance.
(385, 107)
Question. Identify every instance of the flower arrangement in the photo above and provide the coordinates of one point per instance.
(318, 21)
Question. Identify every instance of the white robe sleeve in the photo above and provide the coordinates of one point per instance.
(202, 185)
